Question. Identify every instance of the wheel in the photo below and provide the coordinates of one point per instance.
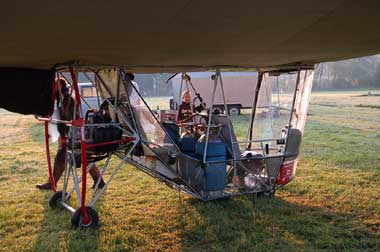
(266, 194)
(77, 218)
(217, 111)
(56, 199)
(234, 111)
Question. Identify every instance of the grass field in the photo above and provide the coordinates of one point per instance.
(332, 205)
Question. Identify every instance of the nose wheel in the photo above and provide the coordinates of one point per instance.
(56, 199)
(92, 220)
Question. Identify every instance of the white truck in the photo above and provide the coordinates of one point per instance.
(239, 88)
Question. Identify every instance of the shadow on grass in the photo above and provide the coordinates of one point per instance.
(249, 224)
(57, 234)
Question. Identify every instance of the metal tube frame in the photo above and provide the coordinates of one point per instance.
(123, 78)
(292, 108)
(179, 96)
(150, 110)
(70, 171)
(215, 79)
(254, 107)
(229, 129)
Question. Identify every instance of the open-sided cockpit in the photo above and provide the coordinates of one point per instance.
(204, 153)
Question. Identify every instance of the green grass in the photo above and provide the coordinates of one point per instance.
(37, 132)
(342, 146)
(367, 106)
(332, 204)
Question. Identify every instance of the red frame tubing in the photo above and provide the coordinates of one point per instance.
(51, 177)
(86, 220)
(80, 122)
(76, 90)
(47, 136)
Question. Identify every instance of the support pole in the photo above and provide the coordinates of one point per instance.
(179, 96)
(47, 137)
(80, 123)
(215, 79)
(51, 177)
(253, 111)
(292, 108)
(229, 131)
(76, 93)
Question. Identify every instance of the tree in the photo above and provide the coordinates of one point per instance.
(353, 73)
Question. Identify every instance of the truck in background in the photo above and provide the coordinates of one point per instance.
(239, 88)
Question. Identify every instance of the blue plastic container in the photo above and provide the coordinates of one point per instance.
(187, 144)
(173, 131)
(214, 149)
(215, 173)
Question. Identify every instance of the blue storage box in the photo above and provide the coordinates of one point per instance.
(213, 149)
(173, 131)
(215, 173)
(187, 144)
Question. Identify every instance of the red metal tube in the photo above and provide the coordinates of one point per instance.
(76, 90)
(51, 177)
(86, 220)
(79, 122)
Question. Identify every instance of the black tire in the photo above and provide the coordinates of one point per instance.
(217, 110)
(234, 110)
(55, 200)
(77, 220)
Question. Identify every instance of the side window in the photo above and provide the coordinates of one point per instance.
(88, 92)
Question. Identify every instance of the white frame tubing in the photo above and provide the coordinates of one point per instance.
(216, 76)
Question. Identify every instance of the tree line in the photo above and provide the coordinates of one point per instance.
(354, 73)
(348, 74)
